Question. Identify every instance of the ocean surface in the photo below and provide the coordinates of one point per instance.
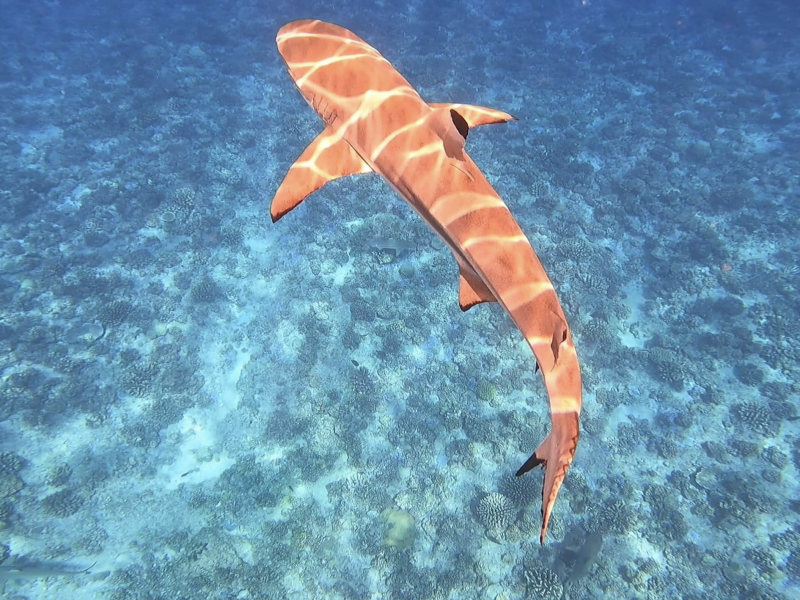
(196, 403)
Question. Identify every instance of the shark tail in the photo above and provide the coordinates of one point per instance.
(555, 455)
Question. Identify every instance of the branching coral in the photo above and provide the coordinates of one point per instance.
(62, 504)
(10, 463)
(542, 583)
(207, 291)
(668, 365)
(616, 517)
(576, 249)
(495, 512)
(520, 490)
(115, 313)
(138, 379)
(755, 416)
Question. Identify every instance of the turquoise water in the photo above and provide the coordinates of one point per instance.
(196, 403)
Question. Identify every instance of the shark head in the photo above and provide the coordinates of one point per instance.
(310, 52)
(335, 70)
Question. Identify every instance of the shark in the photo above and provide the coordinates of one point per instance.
(583, 557)
(27, 569)
(376, 122)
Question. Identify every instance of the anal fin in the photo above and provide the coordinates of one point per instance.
(476, 115)
(327, 158)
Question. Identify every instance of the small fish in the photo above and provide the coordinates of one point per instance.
(396, 246)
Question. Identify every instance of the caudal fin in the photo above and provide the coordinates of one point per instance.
(555, 455)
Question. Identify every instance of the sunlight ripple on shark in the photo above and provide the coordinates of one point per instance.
(376, 122)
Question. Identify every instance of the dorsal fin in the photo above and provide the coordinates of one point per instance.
(327, 158)
(460, 122)
(452, 128)
(476, 115)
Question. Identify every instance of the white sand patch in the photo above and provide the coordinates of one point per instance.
(196, 460)
(318, 489)
(260, 245)
(288, 337)
(634, 299)
(623, 414)
(342, 272)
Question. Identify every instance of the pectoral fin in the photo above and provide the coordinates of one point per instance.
(327, 158)
(476, 115)
(471, 294)
(471, 290)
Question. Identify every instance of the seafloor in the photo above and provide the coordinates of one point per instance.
(201, 404)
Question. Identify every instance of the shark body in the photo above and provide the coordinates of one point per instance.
(375, 121)
(28, 569)
(585, 556)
